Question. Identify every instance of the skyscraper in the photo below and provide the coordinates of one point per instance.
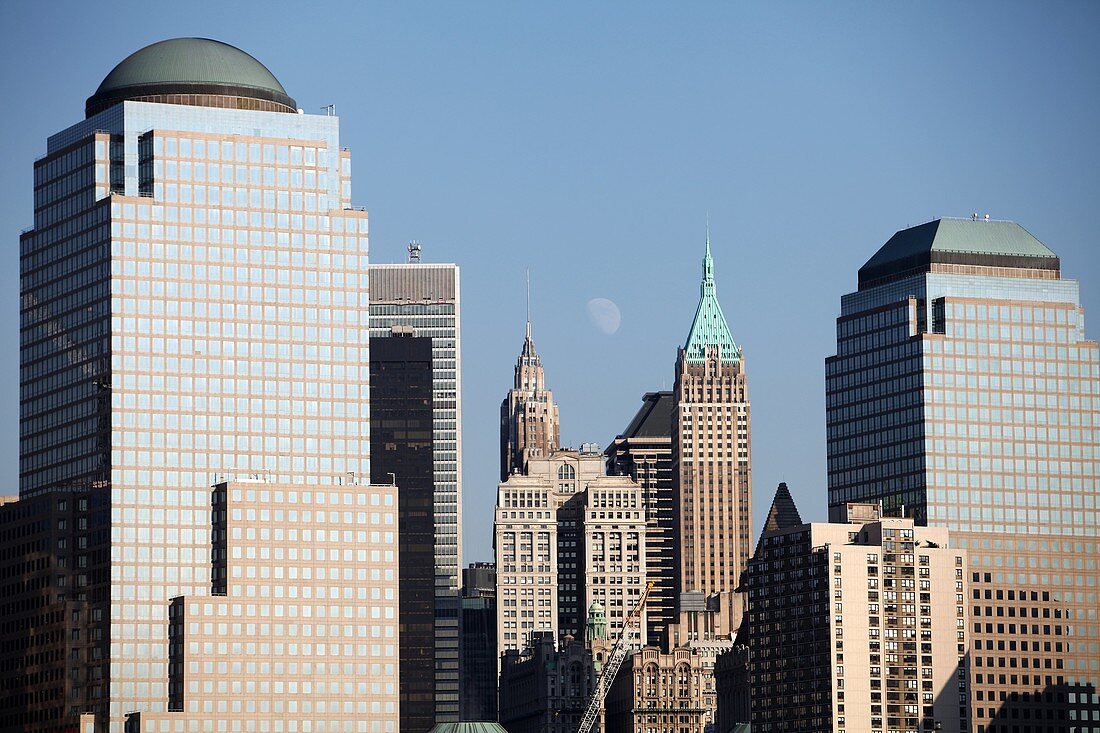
(425, 297)
(528, 415)
(965, 394)
(401, 454)
(711, 457)
(644, 452)
(194, 306)
(478, 658)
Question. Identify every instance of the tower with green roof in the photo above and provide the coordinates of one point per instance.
(711, 461)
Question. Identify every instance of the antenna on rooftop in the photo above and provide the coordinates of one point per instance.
(329, 110)
(414, 252)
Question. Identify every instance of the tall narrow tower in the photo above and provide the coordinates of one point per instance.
(711, 457)
(528, 415)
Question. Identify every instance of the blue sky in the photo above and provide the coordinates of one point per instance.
(587, 141)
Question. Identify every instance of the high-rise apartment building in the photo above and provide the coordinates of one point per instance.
(711, 457)
(528, 415)
(857, 627)
(965, 394)
(644, 452)
(193, 306)
(425, 297)
(402, 454)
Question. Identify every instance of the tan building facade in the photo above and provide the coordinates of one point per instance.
(529, 425)
(711, 455)
(858, 627)
(301, 630)
(656, 692)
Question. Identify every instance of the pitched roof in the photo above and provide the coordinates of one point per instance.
(709, 327)
(654, 417)
(783, 513)
(957, 241)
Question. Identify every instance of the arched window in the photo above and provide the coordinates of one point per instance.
(566, 472)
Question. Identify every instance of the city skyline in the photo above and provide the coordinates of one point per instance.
(1013, 167)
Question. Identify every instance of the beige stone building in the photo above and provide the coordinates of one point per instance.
(858, 627)
(537, 544)
(658, 691)
(711, 460)
(528, 415)
(301, 629)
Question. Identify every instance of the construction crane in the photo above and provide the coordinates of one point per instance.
(615, 659)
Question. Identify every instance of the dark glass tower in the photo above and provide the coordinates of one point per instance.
(402, 452)
(644, 452)
(964, 394)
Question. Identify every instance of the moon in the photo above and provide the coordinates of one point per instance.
(604, 314)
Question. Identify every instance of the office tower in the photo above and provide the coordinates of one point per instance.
(402, 454)
(299, 629)
(528, 415)
(644, 452)
(537, 542)
(857, 627)
(964, 394)
(193, 301)
(426, 298)
(711, 458)
(477, 660)
(614, 551)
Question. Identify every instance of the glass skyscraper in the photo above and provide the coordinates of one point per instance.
(194, 309)
(424, 299)
(965, 394)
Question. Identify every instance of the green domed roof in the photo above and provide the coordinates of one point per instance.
(189, 66)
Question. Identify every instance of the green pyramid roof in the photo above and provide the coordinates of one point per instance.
(709, 327)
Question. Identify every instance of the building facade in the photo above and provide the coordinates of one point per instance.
(711, 456)
(661, 691)
(402, 452)
(644, 452)
(538, 544)
(964, 393)
(193, 306)
(478, 660)
(528, 415)
(857, 627)
(299, 629)
(546, 688)
(426, 297)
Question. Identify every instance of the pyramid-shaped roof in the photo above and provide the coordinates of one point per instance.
(957, 241)
(709, 327)
(783, 514)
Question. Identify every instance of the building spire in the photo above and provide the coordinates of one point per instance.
(528, 350)
(528, 303)
(709, 327)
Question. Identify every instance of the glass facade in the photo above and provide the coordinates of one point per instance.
(194, 308)
(968, 396)
(426, 298)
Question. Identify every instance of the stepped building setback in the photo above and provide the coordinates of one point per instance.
(194, 310)
(964, 394)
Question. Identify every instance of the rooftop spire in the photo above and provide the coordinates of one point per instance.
(528, 342)
(709, 327)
